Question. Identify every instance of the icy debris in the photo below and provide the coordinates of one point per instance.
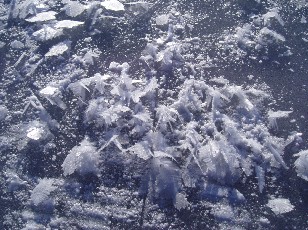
(3, 112)
(280, 205)
(74, 8)
(58, 49)
(113, 5)
(68, 24)
(47, 33)
(43, 17)
(83, 159)
(40, 196)
(301, 164)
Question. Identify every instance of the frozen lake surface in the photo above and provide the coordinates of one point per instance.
(120, 114)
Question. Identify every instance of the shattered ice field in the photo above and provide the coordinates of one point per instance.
(119, 114)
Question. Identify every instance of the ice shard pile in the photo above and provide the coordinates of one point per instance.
(118, 114)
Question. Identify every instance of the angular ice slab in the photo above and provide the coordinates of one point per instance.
(58, 49)
(67, 24)
(113, 5)
(43, 17)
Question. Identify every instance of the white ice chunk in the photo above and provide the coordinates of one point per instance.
(301, 164)
(272, 14)
(46, 33)
(278, 114)
(74, 8)
(280, 205)
(58, 49)
(48, 91)
(43, 17)
(67, 24)
(113, 5)
(35, 133)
